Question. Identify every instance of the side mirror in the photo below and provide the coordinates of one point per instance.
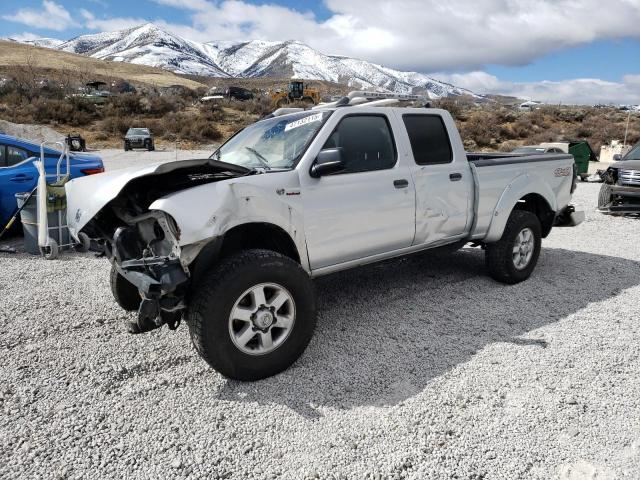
(617, 157)
(328, 161)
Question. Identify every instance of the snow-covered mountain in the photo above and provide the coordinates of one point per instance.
(40, 42)
(150, 45)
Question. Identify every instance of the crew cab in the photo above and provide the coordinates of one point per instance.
(231, 243)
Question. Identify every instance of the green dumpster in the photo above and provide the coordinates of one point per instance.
(582, 154)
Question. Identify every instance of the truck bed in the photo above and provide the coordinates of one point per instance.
(498, 175)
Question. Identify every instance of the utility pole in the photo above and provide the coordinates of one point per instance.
(626, 130)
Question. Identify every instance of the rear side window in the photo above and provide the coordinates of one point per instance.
(429, 139)
(15, 155)
(366, 142)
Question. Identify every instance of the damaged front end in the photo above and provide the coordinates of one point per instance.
(620, 193)
(147, 254)
(142, 243)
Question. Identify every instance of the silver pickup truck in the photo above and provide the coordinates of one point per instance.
(230, 243)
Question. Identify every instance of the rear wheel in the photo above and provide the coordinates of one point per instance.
(124, 292)
(512, 258)
(253, 315)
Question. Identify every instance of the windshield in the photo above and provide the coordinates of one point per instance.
(273, 143)
(138, 131)
(634, 153)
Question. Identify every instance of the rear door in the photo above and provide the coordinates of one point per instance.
(443, 182)
(367, 209)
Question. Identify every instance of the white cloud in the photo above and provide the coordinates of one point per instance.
(425, 35)
(573, 91)
(52, 16)
(422, 35)
(25, 37)
(109, 24)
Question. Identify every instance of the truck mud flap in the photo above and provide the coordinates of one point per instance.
(569, 217)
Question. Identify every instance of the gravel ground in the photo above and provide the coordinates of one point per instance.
(419, 368)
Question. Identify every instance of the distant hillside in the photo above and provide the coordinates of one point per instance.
(14, 54)
(149, 45)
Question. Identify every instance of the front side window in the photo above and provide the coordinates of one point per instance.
(15, 155)
(3, 156)
(429, 139)
(273, 143)
(366, 141)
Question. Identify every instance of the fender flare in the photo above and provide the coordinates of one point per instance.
(518, 188)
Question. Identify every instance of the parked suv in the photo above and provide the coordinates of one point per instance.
(138, 138)
(238, 93)
(620, 192)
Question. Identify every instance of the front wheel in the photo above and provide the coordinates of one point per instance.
(604, 196)
(512, 258)
(124, 292)
(253, 315)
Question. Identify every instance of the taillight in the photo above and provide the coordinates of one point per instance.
(92, 171)
(574, 182)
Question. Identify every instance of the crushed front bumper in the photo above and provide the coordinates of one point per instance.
(626, 200)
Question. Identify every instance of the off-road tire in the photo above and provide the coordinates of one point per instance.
(127, 147)
(212, 301)
(499, 255)
(125, 293)
(604, 197)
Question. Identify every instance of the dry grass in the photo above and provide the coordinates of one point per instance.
(494, 127)
(14, 54)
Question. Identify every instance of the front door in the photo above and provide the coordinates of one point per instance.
(369, 207)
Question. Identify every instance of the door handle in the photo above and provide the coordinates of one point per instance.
(21, 178)
(454, 177)
(402, 183)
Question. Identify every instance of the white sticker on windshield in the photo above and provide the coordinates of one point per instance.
(303, 121)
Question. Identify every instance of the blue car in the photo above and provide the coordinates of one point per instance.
(19, 174)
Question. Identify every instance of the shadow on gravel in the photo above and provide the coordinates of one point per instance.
(387, 330)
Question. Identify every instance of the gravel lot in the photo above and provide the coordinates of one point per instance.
(420, 368)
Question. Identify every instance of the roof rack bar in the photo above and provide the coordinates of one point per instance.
(382, 95)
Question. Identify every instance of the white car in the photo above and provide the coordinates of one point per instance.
(231, 243)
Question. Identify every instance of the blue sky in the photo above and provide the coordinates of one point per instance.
(488, 45)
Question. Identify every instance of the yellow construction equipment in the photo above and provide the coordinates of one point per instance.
(297, 91)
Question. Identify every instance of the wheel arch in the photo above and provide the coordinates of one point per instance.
(246, 236)
(524, 193)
